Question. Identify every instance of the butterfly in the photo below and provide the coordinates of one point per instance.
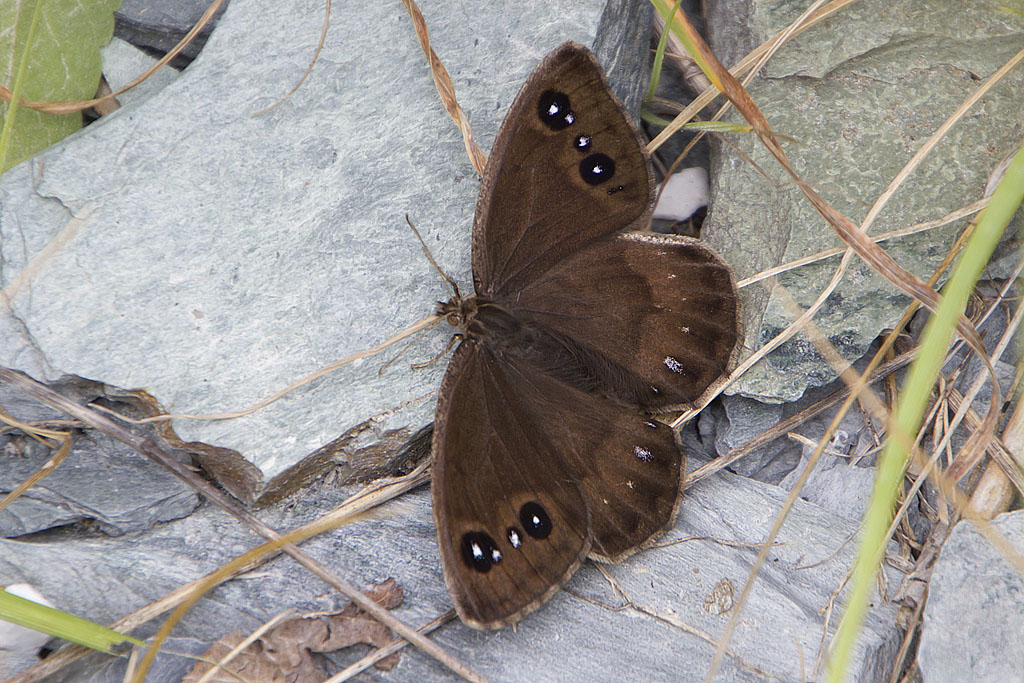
(580, 328)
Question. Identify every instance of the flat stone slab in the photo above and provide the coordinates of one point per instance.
(681, 588)
(975, 613)
(860, 92)
(101, 482)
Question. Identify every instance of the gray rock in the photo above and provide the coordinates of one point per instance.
(161, 25)
(844, 477)
(1006, 257)
(123, 63)
(677, 585)
(839, 484)
(975, 613)
(742, 419)
(101, 481)
(860, 95)
(211, 257)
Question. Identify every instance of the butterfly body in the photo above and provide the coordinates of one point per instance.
(506, 333)
(580, 327)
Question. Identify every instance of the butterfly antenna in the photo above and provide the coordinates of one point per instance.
(444, 276)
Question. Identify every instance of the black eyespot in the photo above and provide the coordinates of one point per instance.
(479, 551)
(597, 168)
(582, 142)
(618, 188)
(554, 111)
(515, 537)
(535, 520)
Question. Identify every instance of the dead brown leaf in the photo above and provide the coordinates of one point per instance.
(284, 654)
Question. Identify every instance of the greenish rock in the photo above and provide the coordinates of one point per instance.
(860, 94)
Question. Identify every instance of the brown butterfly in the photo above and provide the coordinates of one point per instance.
(544, 451)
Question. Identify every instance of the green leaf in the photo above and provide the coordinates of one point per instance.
(49, 51)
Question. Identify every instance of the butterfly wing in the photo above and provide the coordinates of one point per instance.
(537, 462)
(627, 465)
(567, 167)
(542, 476)
(655, 316)
(486, 496)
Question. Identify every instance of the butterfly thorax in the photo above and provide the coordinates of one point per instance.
(507, 332)
(498, 327)
(481, 319)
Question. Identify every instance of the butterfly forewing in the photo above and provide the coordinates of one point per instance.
(543, 476)
(566, 168)
(511, 519)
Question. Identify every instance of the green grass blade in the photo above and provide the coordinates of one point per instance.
(691, 49)
(659, 54)
(913, 401)
(54, 622)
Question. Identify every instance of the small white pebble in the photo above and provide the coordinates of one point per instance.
(685, 192)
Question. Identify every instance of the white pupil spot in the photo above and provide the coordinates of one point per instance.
(477, 551)
(514, 538)
(495, 556)
(553, 109)
(584, 141)
(535, 520)
(642, 453)
(673, 365)
(570, 118)
(597, 170)
(685, 330)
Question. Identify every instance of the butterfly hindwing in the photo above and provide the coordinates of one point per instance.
(626, 464)
(660, 310)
